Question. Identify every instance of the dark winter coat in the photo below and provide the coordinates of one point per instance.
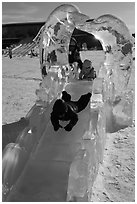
(66, 110)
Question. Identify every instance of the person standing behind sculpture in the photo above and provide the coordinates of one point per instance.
(10, 52)
(32, 53)
(74, 56)
(77, 58)
(44, 71)
(87, 71)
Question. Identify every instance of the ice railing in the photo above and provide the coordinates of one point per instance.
(111, 102)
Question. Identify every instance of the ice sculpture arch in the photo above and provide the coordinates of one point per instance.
(109, 30)
(117, 44)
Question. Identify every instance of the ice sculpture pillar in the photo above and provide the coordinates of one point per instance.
(54, 38)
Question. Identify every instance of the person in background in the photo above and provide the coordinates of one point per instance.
(10, 52)
(87, 72)
(74, 56)
(31, 53)
(44, 71)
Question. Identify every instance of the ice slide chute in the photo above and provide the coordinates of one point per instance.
(44, 165)
(39, 163)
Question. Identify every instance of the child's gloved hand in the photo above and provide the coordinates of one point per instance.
(57, 127)
(68, 128)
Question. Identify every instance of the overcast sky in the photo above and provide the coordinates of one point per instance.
(39, 11)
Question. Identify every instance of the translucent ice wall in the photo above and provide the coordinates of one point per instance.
(54, 39)
(117, 44)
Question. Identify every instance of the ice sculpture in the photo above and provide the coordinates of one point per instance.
(112, 33)
(109, 87)
(54, 42)
(117, 44)
(109, 96)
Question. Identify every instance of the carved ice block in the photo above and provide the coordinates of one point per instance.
(123, 111)
(84, 167)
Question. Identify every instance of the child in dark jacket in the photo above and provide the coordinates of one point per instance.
(66, 110)
(87, 71)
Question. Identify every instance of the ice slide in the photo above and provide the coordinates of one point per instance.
(37, 167)
(44, 165)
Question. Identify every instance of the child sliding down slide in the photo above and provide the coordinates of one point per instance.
(66, 110)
